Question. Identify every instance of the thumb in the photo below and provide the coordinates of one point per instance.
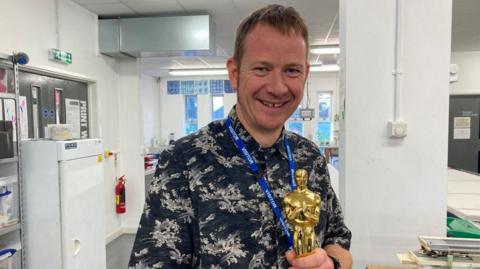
(290, 255)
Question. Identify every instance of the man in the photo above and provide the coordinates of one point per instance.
(214, 202)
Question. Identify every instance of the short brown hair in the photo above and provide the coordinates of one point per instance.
(284, 19)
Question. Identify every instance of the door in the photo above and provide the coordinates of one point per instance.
(464, 136)
(83, 214)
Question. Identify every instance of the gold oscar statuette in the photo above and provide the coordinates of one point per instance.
(302, 210)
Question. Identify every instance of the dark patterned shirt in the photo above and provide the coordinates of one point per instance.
(206, 210)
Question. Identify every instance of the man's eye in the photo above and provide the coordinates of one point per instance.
(292, 72)
(261, 71)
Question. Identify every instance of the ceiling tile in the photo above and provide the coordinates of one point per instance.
(149, 7)
(213, 7)
(465, 21)
(82, 2)
(219, 62)
(247, 7)
(302, 5)
(109, 9)
(193, 62)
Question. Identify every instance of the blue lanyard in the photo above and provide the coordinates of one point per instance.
(240, 145)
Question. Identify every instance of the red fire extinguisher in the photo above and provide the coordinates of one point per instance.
(120, 195)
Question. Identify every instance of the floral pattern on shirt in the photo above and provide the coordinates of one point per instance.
(205, 208)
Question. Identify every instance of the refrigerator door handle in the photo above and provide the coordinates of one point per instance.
(76, 246)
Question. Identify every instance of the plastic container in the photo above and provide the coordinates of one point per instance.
(8, 201)
(457, 227)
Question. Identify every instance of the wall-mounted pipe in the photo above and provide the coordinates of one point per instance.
(398, 72)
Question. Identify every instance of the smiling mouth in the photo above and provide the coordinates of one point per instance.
(273, 105)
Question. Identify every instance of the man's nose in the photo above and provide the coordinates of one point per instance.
(278, 84)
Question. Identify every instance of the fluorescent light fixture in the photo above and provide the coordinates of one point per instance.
(325, 49)
(198, 72)
(325, 68)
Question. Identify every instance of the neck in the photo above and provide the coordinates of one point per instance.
(266, 138)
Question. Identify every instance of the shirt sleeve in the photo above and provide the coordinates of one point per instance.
(164, 237)
(337, 232)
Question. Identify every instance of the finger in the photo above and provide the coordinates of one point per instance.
(328, 264)
(290, 256)
(316, 259)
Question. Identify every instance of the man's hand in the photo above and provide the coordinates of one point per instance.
(318, 259)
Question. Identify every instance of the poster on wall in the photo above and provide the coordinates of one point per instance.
(23, 106)
(72, 113)
(324, 107)
(10, 115)
(461, 127)
(3, 80)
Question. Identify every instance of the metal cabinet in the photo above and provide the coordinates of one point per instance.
(10, 179)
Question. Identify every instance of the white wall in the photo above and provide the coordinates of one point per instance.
(393, 189)
(29, 26)
(131, 140)
(468, 72)
(150, 93)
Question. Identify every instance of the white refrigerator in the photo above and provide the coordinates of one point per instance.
(63, 204)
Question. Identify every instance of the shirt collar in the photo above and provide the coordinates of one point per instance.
(250, 142)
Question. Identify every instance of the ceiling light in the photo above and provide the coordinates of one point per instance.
(325, 68)
(197, 72)
(325, 49)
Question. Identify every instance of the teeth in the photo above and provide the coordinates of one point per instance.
(272, 105)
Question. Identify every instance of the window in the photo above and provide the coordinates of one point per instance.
(323, 133)
(294, 123)
(217, 107)
(191, 114)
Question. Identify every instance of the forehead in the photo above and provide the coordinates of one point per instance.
(265, 39)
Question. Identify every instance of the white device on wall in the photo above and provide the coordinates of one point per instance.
(306, 113)
(64, 204)
(453, 73)
(397, 129)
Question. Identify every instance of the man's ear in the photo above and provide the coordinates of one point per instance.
(307, 70)
(233, 72)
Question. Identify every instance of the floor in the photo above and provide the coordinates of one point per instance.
(118, 251)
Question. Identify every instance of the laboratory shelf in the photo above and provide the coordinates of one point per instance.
(7, 95)
(10, 228)
(9, 160)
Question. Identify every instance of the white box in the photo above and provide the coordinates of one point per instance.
(8, 201)
(64, 204)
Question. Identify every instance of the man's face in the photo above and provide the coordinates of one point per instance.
(271, 78)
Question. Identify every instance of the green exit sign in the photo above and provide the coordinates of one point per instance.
(60, 56)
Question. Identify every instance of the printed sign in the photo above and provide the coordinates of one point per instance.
(83, 119)
(23, 117)
(72, 110)
(71, 145)
(10, 114)
(461, 127)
